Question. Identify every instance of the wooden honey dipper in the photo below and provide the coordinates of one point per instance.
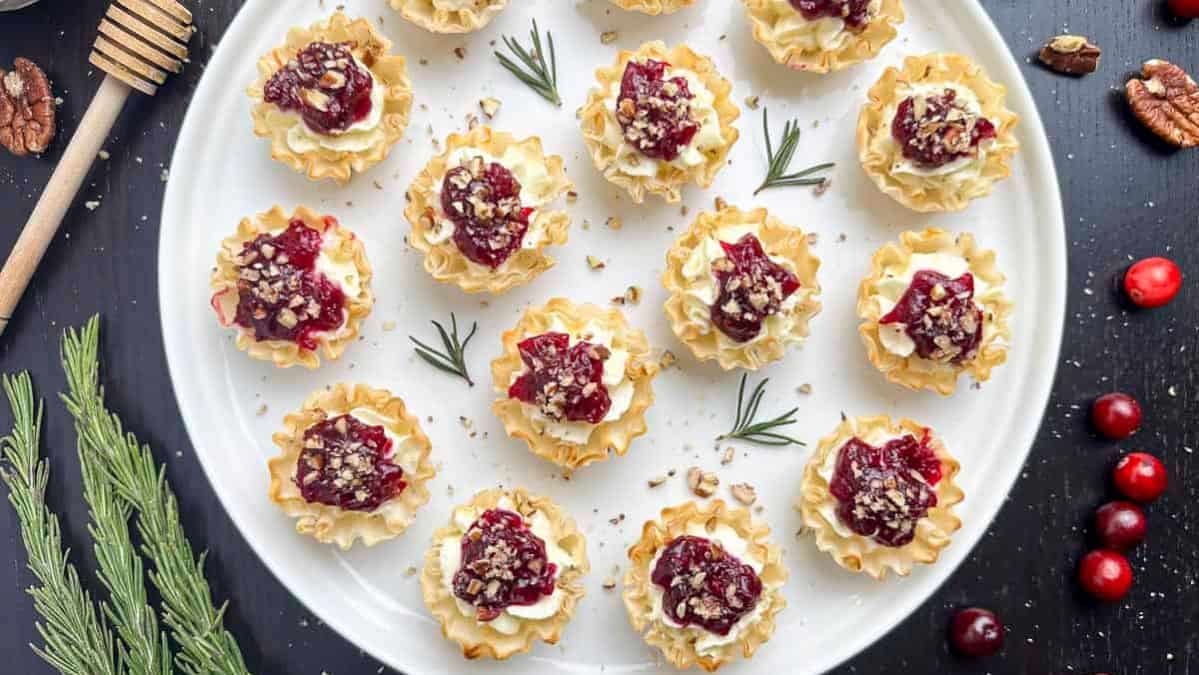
(140, 42)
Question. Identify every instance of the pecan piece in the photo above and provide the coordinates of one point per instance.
(1071, 55)
(26, 109)
(1167, 101)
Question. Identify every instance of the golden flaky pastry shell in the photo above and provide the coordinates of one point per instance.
(334, 525)
(877, 151)
(778, 239)
(608, 437)
(860, 554)
(913, 371)
(282, 353)
(371, 48)
(678, 646)
(596, 116)
(443, 261)
(857, 47)
(482, 641)
(653, 7)
(428, 15)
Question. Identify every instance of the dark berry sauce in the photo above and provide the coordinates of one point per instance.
(503, 564)
(752, 287)
(654, 113)
(565, 382)
(347, 463)
(855, 13)
(281, 295)
(940, 316)
(325, 86)
(704, 585)
(483, 201)
(883, 492)
(936, 130)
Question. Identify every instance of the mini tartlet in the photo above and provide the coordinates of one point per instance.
(936, 134)
(476, 229)
(653, 7)
(933, 308)
(624, 127)
(332, 100)
(608, 375)
(742, 287)
(682, 555)
(449, 16)
(353, 465)
(471, 601)
(878, 495)
(824, 41)
(292, 286)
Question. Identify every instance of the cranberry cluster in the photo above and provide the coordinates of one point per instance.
(855, 13)
(940, 316)
(325, 85)
(564, 381)
(752, 287)
(704, 585)
(347, 463)
(503, 564)
(936, 130)
(482, 199)
(654, 113)
(882, 492)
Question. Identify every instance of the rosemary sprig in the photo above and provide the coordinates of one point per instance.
(534, 72)
(453, 359)
(778, 163)
(746, 429)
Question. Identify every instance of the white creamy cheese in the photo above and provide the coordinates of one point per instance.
(359, 136)
(825, 34)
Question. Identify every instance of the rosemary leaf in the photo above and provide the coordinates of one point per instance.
(779, 162)
(763, 433)
(532, 68)
(453, 359)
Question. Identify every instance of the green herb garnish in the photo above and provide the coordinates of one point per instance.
(535, 72)
(453, 359)
(778, 163)
(746, 429)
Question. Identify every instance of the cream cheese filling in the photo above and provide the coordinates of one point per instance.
(359, 136)
(826, 34)
(907, 171)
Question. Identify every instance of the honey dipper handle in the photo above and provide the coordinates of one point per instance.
(59, 193)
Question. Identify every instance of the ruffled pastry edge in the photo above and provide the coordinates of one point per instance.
(372, 49)
(668, 183)
(424, 14)
(331, 524)
(933, 532)
(612, 437)
(931, 195)
(777, 239)
(444, 262)
(653, 7)
(858, 47)
(907, 371)
(282, 353)
(483, 641)
(676, 645)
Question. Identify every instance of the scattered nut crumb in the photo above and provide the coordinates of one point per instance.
(460, 52)
(608, 37)
(490, 106)
(572, 197)
(728, 456)
(615, 223)
(751, 102)
(702, 483)
(389, 326)
(595, 263)
(609, 583)
(261, 410)
(667, 359)
(103, 154)
(744, 493)
(720, 203)
(632, 295)
(805, 388)
(656, 481)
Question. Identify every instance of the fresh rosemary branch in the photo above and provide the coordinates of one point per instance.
(453, 359)
(778, 163)
(534, 72)
(746, 429)
(205, 647)
(77, 640)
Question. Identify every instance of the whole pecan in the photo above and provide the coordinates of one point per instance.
(26, 109)
(1071, 55)
(1166, 101)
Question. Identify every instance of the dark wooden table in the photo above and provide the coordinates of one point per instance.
(1126, 196)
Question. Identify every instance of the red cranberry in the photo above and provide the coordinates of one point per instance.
(976, 632)
(752, 287)
(1105, 575)
(1153, 282)
(940, 316)
(347, 464)
(1187, 9)
(1116, 415)
(503, 564)
(1140, 476)
(1120, 525)
(855, 13)
(564, 382)
(325, 85)
(483, 201)
(883, 492)
(654, 113)
(705, 585)
(939, 129)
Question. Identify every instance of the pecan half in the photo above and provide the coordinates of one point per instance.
(26, 109)
(1071, 55)
(1166, 101)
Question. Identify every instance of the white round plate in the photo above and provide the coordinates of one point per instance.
(232, 404)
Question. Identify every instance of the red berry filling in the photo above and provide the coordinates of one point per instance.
(347, 463)
(654, 113)
(483, 202)
(855, 13)
(940, 316)
(565, 382)
(882, 492)
(280, 293)
(936, 130)
(704, 585)
(752, 287)
(503, 564)
(324, 85)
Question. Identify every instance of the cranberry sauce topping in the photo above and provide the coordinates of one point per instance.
(883, 492)
(936, 130)
(503, 564)
(940, 316)
(654, 113)
(703, 585)
(752, 287)
(564, 381)
(483, 201)
(347, 463)
(855, 13)
(325, 86)
(281, 295)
